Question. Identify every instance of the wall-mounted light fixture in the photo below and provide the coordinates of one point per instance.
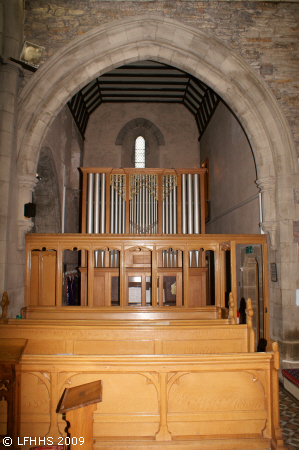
(31, 54)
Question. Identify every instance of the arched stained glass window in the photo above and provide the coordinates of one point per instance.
(139, 152)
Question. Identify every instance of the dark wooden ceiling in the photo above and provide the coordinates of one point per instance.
(145, 81)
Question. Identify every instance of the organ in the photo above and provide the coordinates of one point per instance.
(154, 315)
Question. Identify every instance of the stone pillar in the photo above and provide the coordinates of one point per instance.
(269, 224)
(11, 36)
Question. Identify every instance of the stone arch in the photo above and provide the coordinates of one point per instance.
(140, 122)
(184, 47)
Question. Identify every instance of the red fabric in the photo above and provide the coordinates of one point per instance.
(292, 375)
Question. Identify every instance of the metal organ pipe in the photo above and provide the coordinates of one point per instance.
(184, 205)
(96, 212)
(112, 210)
(143, 210)
(190, 203)
(167, 214)
(174, 209)
(196, 204)
(170, 212)
(103, 202)
(123, 216)
(89, 227)
(116, 209)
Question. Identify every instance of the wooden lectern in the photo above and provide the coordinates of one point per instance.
(78, 404)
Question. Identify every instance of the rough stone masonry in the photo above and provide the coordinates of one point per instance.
(266, 34)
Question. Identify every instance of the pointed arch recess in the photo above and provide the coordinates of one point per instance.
(184, 47)
(140, 122)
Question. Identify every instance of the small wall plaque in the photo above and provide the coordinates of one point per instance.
(273, 272)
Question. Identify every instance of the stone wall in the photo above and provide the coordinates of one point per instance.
(59, 162)
(175, 122)
(266, 34)
(234, 200)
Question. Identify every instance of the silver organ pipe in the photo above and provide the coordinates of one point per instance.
(103, 203)
(96, 213)
(111, 258)
(197, 257)
(190, 203)
(143, 209)
(116, 209)
(120, 208)
(170, 251)
(89, 227)
(170, 212)
(196, 204)
(175, 258)
(166, 258)
(123, 216)
(174, 209)
(184, 205)
(147, 210)
(112, 210)
(190, 258)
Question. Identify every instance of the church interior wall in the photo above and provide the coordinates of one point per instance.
(234, 204)
(65, 149)
(175, 122)
(264, 34)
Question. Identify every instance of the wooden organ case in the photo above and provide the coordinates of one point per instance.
(144, 300)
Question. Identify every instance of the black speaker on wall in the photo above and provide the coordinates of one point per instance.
(29, 210)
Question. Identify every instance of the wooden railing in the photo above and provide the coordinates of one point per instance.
(136, 255)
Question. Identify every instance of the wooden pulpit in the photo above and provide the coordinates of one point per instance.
(78, 404)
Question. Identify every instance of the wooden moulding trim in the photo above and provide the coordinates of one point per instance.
(208, 358)
(97, 169)
(37, 241)
(129, 170)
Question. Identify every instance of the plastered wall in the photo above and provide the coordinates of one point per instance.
(175, 122)
(233, 193)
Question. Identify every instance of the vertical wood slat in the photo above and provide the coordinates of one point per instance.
(233, 262)
(107, 289)
(59, 276)
(84, 193)
(27, 273)
(265, 291)
(179, 290)
(143, 288)
(154, 276)
(217, 261)
(83, 219)
(122, 281)
(202, 204)
(186, 276)
(160, 204)
(161, 281)
(90, 277)
(222, 261)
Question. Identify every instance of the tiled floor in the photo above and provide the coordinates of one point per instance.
(289, 420)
